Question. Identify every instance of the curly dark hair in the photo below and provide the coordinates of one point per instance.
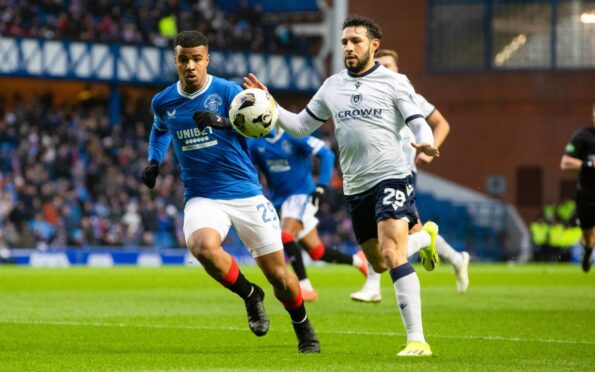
(372, 27)
(189, 39)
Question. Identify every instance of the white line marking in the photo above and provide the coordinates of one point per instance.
(245, 329)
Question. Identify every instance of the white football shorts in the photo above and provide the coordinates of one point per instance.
(300, 207)
(254, 219)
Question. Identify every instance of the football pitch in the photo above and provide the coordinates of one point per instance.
(533, 317)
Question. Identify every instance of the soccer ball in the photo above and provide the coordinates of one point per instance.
(253, 113)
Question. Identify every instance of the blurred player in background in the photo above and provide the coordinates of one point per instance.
(286, 162)
(580, 157)
(440, 127)
(370, 105)
(221, 187)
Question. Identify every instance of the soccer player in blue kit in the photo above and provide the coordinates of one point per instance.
(221, 187)
(286, 162)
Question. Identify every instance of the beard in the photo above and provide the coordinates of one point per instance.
(359, 66)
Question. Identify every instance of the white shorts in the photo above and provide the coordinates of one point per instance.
(300, 207)
(254, 219)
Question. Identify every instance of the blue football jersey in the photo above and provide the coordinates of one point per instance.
(214, 163)
(286, 162)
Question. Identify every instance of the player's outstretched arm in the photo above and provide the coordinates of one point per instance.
(298, 125)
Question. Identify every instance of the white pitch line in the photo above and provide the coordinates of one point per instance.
(243, 329)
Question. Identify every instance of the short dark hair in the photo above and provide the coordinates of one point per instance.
(387, 52)
(372, 27)
(190, 39)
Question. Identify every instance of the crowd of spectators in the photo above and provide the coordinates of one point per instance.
(149, 22)
(555, 232)
(68, 178)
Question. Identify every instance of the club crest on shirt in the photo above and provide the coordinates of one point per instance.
(356, 99)
(213, 102)
(287, 147)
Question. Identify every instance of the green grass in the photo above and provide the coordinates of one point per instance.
(533, 317)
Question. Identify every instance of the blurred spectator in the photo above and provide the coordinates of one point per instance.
(555, 232)
(149, 22)
(167, 27)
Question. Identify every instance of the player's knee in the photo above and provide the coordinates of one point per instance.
(202, 253)
(204, 246)
(317, 252)
(391, 253)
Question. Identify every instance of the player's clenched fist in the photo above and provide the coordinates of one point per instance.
(149, 175)
(318, 194)
(202, 119)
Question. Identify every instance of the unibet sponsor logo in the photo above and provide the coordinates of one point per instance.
(359, 112)
(194, 139)
(193, 132)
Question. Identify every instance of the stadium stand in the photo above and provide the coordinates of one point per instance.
(243, 26)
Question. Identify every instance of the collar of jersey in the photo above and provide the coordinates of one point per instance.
(376, 65)
(197, 93)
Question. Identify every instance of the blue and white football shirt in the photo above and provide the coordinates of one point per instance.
(214, 163)
(286, 162)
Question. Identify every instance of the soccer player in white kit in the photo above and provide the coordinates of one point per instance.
(371, 106)
(370, 292)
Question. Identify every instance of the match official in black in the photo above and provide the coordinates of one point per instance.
(580, 157)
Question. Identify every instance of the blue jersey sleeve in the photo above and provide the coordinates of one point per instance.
(317, 147)
(159, 138)
(327, 162)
